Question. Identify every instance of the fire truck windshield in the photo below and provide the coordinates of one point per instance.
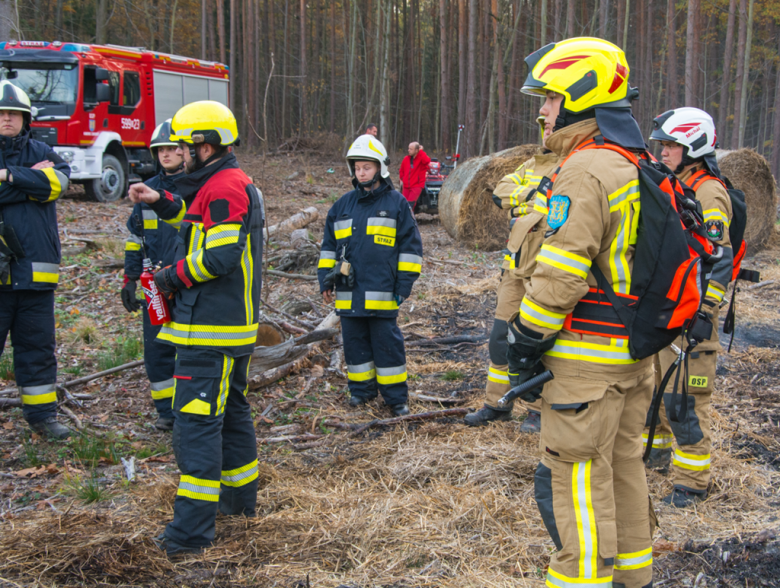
(44, 83)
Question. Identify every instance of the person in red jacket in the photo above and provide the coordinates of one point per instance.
(413, 170)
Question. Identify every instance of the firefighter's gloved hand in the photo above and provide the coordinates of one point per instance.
(165, 282)
(524, 356)
(399, 300)
(129, 300)
(342, 269)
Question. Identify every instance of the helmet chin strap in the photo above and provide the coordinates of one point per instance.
(368, 186)
(566, 118)
(685, 161)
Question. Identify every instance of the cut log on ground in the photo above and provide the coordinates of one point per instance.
(466, 207)
(296, 221)
(422, 416)
(292, 276)
(750, 172)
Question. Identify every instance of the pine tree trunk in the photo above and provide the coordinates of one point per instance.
(445, 76)
(484, 68)
(671, 56)
(203, 8)
(776, 123)
(233, 51)
(725, 81)
(472, 132)
(100, 21)
(621, 14)
(543, 23)
(332, 123)
(690, 51)
(303, 83)
(570, 18)
(385, 90)
(745, 77)
(738, 85)
(285, 69)
(462, 61)
(221, 28)
(603, 18)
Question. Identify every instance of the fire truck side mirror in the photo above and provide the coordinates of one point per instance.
(102, 92)
(101, 74)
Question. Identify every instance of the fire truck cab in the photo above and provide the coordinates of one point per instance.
(98, 106)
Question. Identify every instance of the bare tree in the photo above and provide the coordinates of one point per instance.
(570, 5)
(462, 60)
(101, 13)
(776, 122)
(603, 18)
(471, 98)
(671, 56)
(304, 115)
(445, 76)
(690, 52)
(741, 45)
(745, 76)
(725, 81)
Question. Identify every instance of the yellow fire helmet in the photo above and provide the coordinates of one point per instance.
(588, 72)
(206, 121)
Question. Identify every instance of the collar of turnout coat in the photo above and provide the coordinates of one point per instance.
(564, 141)
(189, 184)
(17, 143)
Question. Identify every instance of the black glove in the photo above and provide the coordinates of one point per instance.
(399, 300)
(330, 279)
(129, 300)
(164, 280)
(524, 356)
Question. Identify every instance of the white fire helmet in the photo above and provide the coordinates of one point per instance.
(367, 147)
(690, 127)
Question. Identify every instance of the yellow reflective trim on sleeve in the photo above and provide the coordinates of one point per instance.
(539, 316)
(405, 266)
(618, 263)
(225, 234)
(564, 260)
(197, 406)
(716, 214)
(326, 263)
(46, 277)
(175, 222)
(197, 269)
(54, 181)
(715, 293)
(31, 400)
(624, 195)
(130, 246)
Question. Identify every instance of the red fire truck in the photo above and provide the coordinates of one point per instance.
(98, 105)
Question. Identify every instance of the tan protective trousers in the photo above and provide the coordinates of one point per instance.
(590, 486)
(691, 458)
(509, 296)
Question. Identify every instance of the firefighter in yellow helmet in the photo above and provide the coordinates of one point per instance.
(590, 485)
(215, 278)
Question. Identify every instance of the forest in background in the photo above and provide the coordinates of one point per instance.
(418, 68)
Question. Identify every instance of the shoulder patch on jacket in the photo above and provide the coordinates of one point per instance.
(219, 210)
(558, 211)
(714, 229)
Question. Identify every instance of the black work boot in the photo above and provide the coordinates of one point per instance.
(164, 424)
(355, 401)
(682, 497)
(659, 460)
(50, 427)
(532, 423)
(400, 409)
(172, 548)
(485, 415)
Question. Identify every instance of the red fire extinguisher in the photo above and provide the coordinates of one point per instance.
(156, 304)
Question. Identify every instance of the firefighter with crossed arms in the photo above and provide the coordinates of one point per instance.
(689, 139)
(156, 240)
(215, 279)
(32, 178)
(590, 485)
(527, 208)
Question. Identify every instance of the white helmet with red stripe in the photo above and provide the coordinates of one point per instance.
(690, 127)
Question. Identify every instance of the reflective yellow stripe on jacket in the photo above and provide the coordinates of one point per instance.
(208, 335)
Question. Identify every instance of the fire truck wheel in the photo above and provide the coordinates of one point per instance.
(112, 185)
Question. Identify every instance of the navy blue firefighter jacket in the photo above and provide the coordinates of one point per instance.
(376, 233)
(28, 208)
(147, 229)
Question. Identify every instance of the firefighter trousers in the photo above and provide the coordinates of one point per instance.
(376, 358)
(214, 442)
(159, 361)
(509, 296)
(691, 458)
(590, 485)
(28, 315)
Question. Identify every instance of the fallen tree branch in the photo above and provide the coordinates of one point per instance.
(291, 276)
(422, 416)
(291, 438)
(300, 322)
(439, 399)
(10, 402)
(296, 221)
(291, 328)
(69, 413)
(114, 370)
(447, 340)
(761, 284)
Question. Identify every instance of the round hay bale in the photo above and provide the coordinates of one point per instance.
(750, 172)
(466, 206)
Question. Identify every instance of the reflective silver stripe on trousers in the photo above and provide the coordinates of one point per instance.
(164, 385)
(198, 489)
(341, 225)
(362, 368)
(46, 268)
(409, 258)
(242, 476)
(379, 296)
(327, 254)
(149, 214)
(391, 371)
(37, 390)
(648, 557)
(382, 222)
